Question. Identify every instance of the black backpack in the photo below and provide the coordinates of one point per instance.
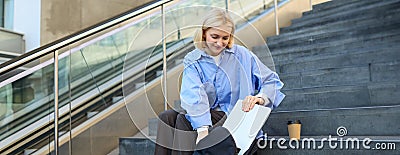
(218, 142)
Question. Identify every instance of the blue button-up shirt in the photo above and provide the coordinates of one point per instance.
(207, 85)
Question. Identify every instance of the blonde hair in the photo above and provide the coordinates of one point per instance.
(214, 18)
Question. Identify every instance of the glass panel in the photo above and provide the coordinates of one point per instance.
(99, 65)
(248, 9)
(26, 101)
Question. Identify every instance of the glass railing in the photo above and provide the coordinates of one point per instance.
(11, 41)
(27, 91)
(90, 71)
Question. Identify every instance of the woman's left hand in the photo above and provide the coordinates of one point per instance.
(249, 102)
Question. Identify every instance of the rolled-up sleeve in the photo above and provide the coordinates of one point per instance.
(268, 82)
(194, 98)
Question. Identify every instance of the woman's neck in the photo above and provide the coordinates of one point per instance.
(211, 53)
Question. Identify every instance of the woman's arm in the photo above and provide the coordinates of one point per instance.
(268, 85)
(194, 98)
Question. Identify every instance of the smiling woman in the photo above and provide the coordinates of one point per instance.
(216, 33)
(216, 39)
(216, 75)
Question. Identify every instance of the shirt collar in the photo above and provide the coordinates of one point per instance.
(198, 53)
(230, 50)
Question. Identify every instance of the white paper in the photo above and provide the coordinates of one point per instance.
(244, 126)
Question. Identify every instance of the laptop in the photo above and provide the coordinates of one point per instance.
(244, 126)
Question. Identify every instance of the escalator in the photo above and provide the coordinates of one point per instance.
(28, 123)
(94, 100)
(97, 67)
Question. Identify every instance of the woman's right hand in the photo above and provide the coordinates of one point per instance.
(249, 102)
(201, 133)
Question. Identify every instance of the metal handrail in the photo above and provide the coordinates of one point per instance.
(55, 46)
(90, 31)
(276, 17)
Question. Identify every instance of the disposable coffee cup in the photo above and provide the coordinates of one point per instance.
(294, 128)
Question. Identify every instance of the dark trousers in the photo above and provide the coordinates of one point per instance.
(175, 134)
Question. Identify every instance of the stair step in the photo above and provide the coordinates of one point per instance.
(374, 41)
(339, 25)
(373, 94)
(29, 151)
(332, 5)
(386, 71)
(159, 73)
(139, 85)
(115, 99)
(386, 44)
(339, 61)
(327, 77)
(128, 87)
(361, 121)
(344, 15)
(386, 93)
(310, 53)
(358, 35)
(144, 133)
(141, 143)
(91, 114)
(153, 126)
(343, 9)
(344, 29)
(136, 145)
(376, 72)
(387, 37)
(178, 61)
(325, 97)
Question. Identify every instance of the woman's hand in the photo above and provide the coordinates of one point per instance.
(201, 133)
(249, 102)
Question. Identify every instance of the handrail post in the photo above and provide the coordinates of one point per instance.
(227, 3)
(164, 57)
(310, 4)
(56, 102)
(276, 17)
(264, 6)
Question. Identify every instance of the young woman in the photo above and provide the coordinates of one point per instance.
(216, 75)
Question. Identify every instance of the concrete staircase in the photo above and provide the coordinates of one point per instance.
(140, 144)
(143, 143)
(340, 64)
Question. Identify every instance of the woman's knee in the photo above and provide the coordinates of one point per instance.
(168, 116)
(182, 123)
